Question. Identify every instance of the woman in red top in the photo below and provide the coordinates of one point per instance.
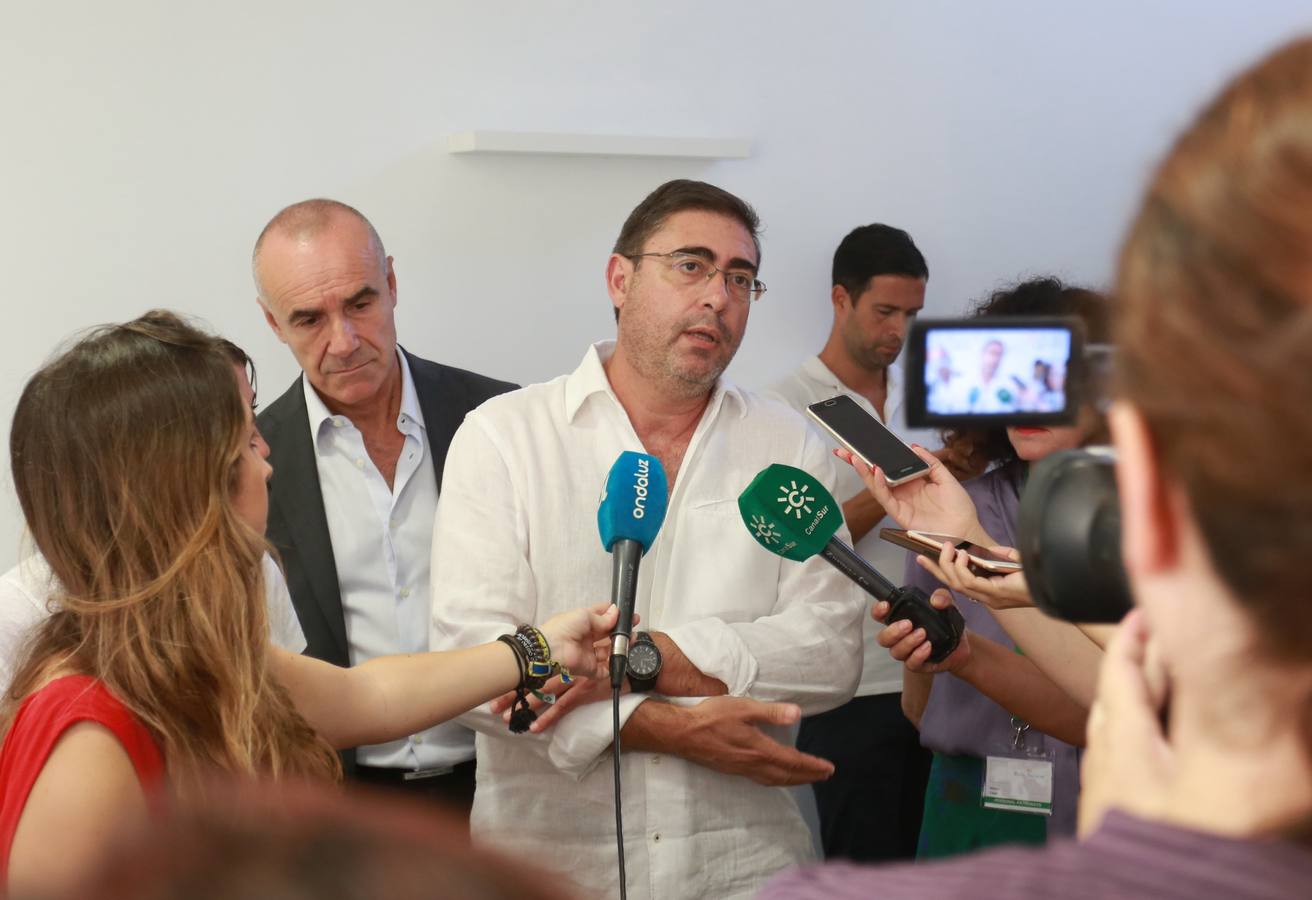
(143, 482)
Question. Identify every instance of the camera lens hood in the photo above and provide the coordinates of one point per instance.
(1069, 532)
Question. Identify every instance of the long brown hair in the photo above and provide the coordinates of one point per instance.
(125, 451)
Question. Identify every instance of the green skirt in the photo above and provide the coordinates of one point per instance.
(956, 822)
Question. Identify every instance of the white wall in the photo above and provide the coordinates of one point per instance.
(145, 144)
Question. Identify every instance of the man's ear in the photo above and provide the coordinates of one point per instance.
(273, 323)
(1150, 530)
(840, 298)
(619, 278)
(391, 280)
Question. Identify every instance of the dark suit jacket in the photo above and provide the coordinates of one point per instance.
(298, 525)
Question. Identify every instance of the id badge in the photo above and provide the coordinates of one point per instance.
(1018, 777)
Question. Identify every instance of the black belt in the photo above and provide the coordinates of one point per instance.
(377, 773)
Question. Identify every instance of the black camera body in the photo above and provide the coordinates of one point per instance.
(1022, 370)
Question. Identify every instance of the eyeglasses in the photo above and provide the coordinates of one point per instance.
(686, 270)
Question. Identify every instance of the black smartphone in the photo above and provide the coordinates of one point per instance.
(868, 438)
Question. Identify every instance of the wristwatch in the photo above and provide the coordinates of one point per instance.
(644, 662)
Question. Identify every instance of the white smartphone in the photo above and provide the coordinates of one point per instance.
(868, 438)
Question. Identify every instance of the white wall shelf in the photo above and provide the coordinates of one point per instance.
(562, 144)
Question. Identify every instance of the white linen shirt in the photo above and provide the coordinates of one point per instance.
(516, 541)
(381, 540)
(811, 383)
(28, 590)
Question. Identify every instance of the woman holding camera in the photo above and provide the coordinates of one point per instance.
(989, 704)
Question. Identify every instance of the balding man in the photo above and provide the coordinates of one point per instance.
(358, 446)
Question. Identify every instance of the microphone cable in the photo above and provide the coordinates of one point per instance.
(619, 814)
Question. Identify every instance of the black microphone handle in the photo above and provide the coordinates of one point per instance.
(625, 556)
(845, 559)
(943, 627)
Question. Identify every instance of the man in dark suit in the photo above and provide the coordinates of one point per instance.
(358, 446)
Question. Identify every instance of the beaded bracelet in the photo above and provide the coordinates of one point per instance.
(533, 655)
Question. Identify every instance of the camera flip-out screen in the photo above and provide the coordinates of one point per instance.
(1007, 370)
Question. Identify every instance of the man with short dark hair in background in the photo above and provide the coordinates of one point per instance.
(358, 445)
(871, 808)
(744, 637)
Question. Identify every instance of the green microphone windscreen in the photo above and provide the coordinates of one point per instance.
(789, 512)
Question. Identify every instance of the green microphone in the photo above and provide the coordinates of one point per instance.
(790, 513)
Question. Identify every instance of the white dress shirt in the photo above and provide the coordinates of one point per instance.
(812, 383)
(27, 590)
(382, 538)
(516, 541)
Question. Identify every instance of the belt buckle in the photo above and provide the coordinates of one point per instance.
(421, 774)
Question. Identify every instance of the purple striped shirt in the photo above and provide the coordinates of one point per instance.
(1125, 858)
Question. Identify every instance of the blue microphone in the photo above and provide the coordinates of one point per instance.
(633, 504)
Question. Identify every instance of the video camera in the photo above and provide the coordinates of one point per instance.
(1034, 371)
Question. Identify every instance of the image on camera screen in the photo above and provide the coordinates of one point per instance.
(986, 371)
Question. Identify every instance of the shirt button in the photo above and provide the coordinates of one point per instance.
(416, 738)
(405, 592)
(656, 760)
(337, 423)
(359, 463)
(656, 837)
(392, 522)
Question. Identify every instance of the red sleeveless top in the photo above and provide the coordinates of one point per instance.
(42, 719)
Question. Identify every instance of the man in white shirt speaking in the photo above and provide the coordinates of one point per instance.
(871, 808)
(748, 640)
(358, 444)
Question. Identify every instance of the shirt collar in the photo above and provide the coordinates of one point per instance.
(590, 380)
(321, 417)
(815, 369)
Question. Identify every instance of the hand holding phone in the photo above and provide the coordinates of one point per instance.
(982, 561)
(936, 502)
(984, 576)
(1009, 591)
(868, 438)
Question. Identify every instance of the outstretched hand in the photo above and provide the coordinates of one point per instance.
(934, 502)
(725, 735)
(573, 637)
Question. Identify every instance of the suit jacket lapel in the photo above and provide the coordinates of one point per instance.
(442, 415)
(295, 496)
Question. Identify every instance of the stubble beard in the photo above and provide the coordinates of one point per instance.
(653, 356)
(870, 358)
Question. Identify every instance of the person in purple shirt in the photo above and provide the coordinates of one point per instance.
(986, 695)
(1197, 780)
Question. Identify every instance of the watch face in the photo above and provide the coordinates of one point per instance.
(644, 660)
